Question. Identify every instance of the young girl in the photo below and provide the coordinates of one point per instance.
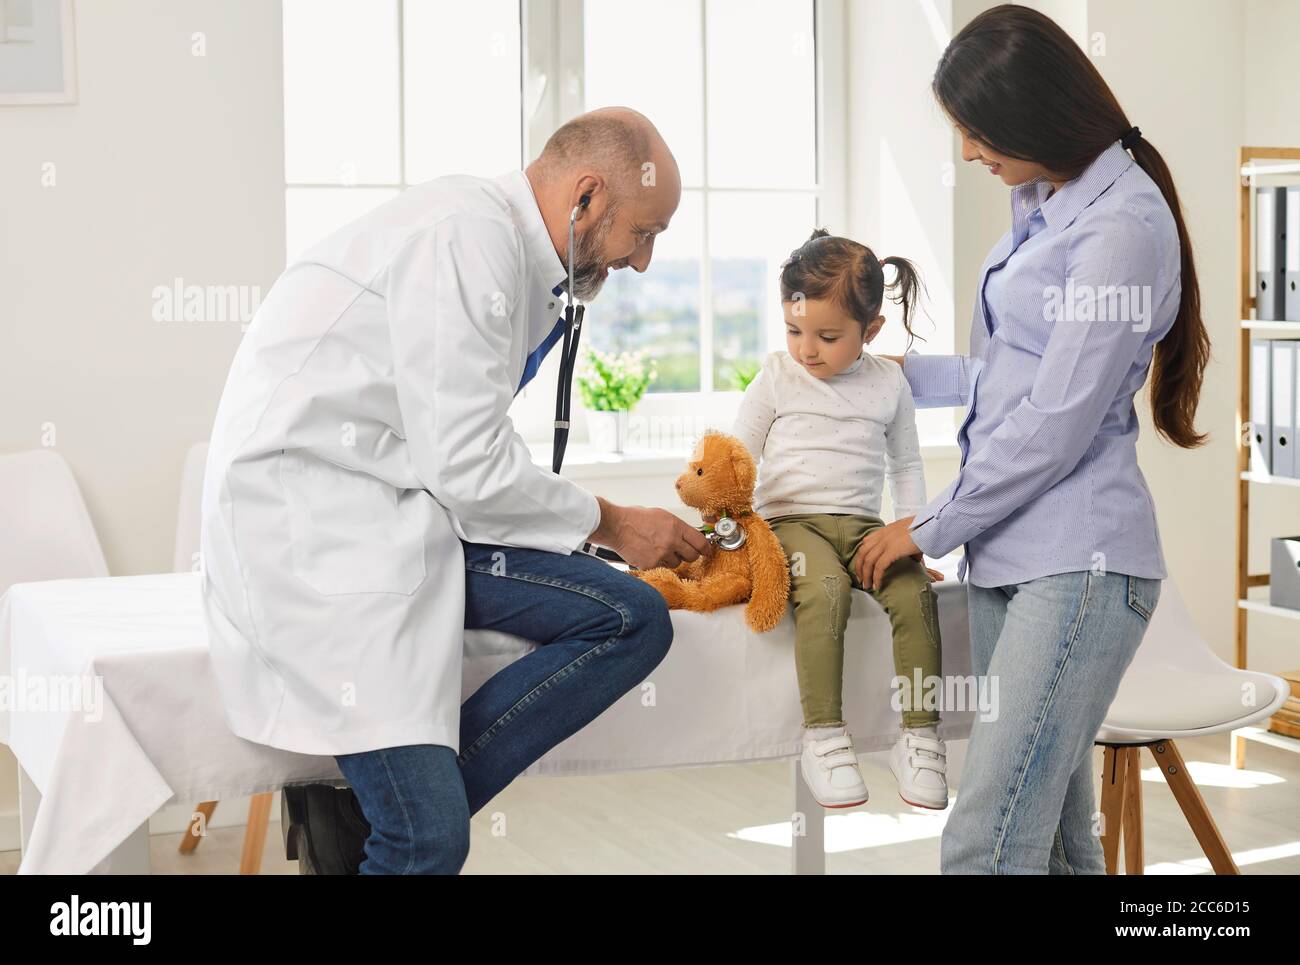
(827, 423)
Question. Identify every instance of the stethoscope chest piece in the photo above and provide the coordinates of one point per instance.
(728, 534)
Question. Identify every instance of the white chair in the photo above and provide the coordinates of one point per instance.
(48, 534)
(1175, 687)
(186, 547)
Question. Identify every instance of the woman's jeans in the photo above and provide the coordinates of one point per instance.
(1057, 647)
(600, 632)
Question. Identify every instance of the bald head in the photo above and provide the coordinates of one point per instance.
(616, 160)
(615, 142)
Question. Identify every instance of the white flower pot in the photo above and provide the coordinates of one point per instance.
(607, 430)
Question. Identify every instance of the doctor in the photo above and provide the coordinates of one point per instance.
(367, 499)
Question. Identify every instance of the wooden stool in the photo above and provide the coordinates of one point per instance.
(1121, 806)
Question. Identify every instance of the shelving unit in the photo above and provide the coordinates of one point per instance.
(1254, 161)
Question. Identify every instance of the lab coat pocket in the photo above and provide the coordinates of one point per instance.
(351, 532)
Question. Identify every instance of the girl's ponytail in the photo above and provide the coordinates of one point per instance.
(905, 290)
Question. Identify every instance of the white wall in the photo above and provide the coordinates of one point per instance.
(170, 165)
(902, 165)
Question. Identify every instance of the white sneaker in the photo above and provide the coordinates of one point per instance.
(830, 768)
(919, 761)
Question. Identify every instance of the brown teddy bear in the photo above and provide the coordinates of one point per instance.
(720, 483)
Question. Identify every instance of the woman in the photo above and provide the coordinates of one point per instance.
(1093, 283)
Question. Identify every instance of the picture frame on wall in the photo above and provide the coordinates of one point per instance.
(37, 52)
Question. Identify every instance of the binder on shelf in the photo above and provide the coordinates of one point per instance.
(1291, 267)
(1284, 572)
(1295, 409)
(1270, 227)
(1261, 416)
(1283, 356)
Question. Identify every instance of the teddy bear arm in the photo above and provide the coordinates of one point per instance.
(667, 582)
(717, 590)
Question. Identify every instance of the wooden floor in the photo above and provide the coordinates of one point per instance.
(733, 820)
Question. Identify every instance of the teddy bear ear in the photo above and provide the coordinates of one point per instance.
(702, 442)
(742, 464)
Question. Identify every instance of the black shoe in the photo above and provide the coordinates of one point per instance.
(323, 828)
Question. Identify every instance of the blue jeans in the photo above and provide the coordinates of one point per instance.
(600, 633)
(1058, 647)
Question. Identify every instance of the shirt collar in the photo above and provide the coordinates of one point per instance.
(853, 366)
(523, 205)
(1065, 205)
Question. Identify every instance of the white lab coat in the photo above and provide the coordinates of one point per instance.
(363, 431)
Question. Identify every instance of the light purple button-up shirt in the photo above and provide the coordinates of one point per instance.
(1072, 301)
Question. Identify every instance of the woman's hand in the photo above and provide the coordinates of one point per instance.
(892, 358)
(880, 548)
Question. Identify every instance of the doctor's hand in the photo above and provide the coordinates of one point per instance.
(647, 538)
(881, 547)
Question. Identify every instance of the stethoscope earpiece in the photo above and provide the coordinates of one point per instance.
(578, 208)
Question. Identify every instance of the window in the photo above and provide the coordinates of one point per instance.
(734, 91)
(751, 96)
(408, 105)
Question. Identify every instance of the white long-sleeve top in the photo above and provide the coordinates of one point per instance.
(828, 445)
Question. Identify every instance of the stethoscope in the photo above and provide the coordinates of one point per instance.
(726, 533)
(568, 353)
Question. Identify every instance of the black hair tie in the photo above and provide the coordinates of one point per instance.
(1129, 140)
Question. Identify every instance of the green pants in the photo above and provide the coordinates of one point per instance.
(820, 547)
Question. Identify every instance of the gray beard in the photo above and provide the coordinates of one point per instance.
(589, 266)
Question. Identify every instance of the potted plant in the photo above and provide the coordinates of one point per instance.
(742, 373)
(610, 385)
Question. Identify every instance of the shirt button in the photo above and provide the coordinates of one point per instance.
(550, 305)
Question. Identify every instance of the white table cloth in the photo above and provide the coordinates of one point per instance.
(102, 767)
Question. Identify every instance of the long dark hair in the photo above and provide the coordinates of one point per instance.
(849, 274)
(1017, 82)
